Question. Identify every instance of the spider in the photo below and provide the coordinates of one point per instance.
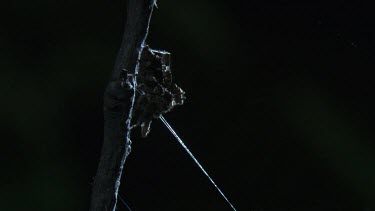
(156, 94)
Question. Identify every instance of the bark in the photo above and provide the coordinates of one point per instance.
(118, 106)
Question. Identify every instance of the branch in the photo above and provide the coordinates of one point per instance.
(118, 106)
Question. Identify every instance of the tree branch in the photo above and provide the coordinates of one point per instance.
(118, 106)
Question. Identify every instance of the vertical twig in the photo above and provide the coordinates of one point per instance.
(118, 107)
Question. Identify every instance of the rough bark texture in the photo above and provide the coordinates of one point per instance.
(118, 105)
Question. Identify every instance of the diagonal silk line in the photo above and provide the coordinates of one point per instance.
(195, 160)
(123, 201)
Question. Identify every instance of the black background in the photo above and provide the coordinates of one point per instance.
(279, 105)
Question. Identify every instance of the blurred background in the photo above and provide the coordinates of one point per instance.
(279, 105)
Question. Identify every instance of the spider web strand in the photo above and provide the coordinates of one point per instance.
(195, 160)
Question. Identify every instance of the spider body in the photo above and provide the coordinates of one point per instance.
(157, 94)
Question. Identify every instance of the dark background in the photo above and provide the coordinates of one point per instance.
(279, 105)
